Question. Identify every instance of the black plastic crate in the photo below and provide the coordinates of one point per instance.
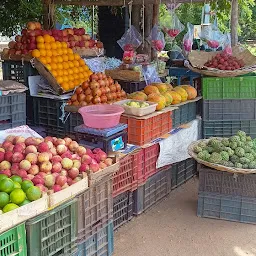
(184, 114)
(18, 71)
(122, 209)
(12, 110)
(228, 128)
(109, 144)
(53, 232)
(213, 181)
(183, 171)
(156, 188)
(95, 208)
(130, 87)
(31, 110)
(227, 207)
(74, 119)
(228, 110)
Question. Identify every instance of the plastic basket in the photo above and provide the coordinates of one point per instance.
(228, 128)
(229, 88)
(184, 114)
(228, 110)
(226, 183)
(13, 242)
(75, 119)
(183, 171)
(30, 110)
(130, 87)
(18, 71)
(123, 209)
(157, 187)
(142, 131)
(95, 208)
(101, 243)
(12, 110)
(226, 207)
(54, 232)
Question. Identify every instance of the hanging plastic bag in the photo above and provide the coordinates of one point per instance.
(156, 39)
(129, 42)
(188, 39)
(172, 25)
(150, 74)
(227, 44)
(212, 36)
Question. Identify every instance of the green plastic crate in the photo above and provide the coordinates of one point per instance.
(53, 233)
(229, 88)
(13, 242)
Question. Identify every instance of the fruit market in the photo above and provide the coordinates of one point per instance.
(104, 123)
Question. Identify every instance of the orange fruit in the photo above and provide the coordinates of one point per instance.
(65, 86)
(65, 50)
(39, 39)
(81, 75)
(81, 62)
(64, 45)
(71, 85)
(59, 72)
(60, 59)
(70, 51)
(71, 57)
(58, 44)
(89, 72)
(49, 53)
(53, 45)
(42, 52)
(71, 64)
(54, 53)
(65, 72)
(81, 70)
(54, 65)
(77, 56)
(59, 65)
(54, 73)
(59, 51)
(76, 63)
(70, 77)
(59, 79)
(35, 53)
(55, 59)
(65, 78)
(65, 65)
(52, 39)
(43, 60)
(40, 46)
(48, 67)
(86, 68)
(76, 71)
(47, 38)
(65, 57)
(76, 82)
(47, 46)
(70, 71)
(48, 59)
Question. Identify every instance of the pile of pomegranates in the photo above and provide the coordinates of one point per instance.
(99, 89)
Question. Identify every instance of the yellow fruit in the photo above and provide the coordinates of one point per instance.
(65, 51)
(70, 71)
(77, 56)
(40, 46)
(70, 51)
(59, 72)
(151, 89)
(54, 73)
(76, 63)
(138, 96)
(191, 91)
(64, 45)
(81, 62)
(43, 60)
(54, 53)
(59, 80)
(65, 79)
(35, 53)
(47, 38)
(59, 65)
(75, 70)
(39, 39)
(49, 53)
(54, 66)
(182, 92)
(58, 44)
(48, 59)
(65, 65)
(71, 57)
(59, 51)
(157, 98)
(168, 98)
(65, 86)
(48, 67)
(47, 46)
(42, 52)
(53, 45)
(65, 57)
(52, 39)
(71, 64)
(65, 72)
(176, 98)
(60, 59)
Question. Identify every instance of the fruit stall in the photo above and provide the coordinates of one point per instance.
(88, 142)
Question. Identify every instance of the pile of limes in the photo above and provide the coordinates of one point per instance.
(15, 193)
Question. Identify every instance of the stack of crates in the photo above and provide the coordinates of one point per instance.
(229, 105)
(227, 196)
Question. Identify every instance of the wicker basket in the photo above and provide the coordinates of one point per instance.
(197, 60)
(216, 166)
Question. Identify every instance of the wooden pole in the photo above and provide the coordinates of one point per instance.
(155, 14)
(234, 23)
(48, 14)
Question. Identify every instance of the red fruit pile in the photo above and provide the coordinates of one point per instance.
(51, 164)
(99, 89)
(224, 61)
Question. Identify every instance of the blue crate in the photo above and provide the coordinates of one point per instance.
(99, 244)
(181, 72)
(227, 207)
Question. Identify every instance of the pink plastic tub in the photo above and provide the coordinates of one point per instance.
(101, 116)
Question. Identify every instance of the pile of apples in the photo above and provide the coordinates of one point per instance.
(224, 61)
(76, 39)
(99, 89)
(51, 164)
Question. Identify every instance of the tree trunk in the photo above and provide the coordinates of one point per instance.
(48, 14)
(234, 23)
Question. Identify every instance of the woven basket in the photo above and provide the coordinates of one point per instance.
(197, 60)
(216, 166)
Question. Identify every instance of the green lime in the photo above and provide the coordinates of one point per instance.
(33, 193)
(16, 178)
(3, 176)
(6, 185)
(17, 196)
(26, 184)
(10, 207)
(26, 201)
(4, 199)
(16, 184)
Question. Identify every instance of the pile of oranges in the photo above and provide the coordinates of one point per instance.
(66, 66)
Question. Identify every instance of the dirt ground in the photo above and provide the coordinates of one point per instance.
(172, 228)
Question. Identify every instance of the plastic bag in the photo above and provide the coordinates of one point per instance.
(129, 42)
(156, 39)
(212, 36)
(188, 39)
(227, 44)
(172, 25)
(150, 74)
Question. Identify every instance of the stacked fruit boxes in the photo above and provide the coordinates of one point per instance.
(228, 106)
